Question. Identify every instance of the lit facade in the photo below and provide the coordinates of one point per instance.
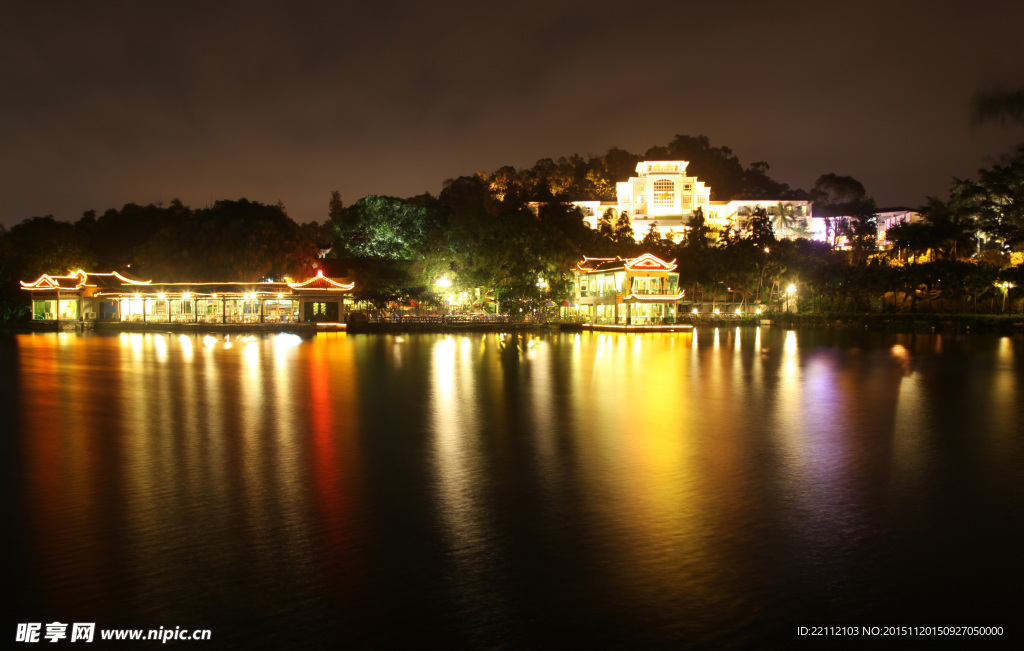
(628, 291)
(890, 217)
(662, 194)
(87, 298)
(789, 218)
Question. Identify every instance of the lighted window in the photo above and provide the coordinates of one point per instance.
(664, 194)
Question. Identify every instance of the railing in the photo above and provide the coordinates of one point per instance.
(452, 318)
(645, 291)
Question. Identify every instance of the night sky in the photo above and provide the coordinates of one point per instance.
(105, 103)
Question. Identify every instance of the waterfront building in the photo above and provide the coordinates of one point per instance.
(627, 291)
(87, 298)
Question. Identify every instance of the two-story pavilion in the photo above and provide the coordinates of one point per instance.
(87, 298)
(628, 291)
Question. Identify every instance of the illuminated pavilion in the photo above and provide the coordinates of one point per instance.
(88, 298)
(628, 291)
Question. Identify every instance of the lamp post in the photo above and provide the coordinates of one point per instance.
(789, 292)
(1006, 287)
(442, 284)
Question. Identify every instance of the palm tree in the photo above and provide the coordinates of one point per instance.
(954, 230)
(783, 218)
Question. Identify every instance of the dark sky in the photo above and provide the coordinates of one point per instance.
(105, 103)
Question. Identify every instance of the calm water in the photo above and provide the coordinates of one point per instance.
(696, 490)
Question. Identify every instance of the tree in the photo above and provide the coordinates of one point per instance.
(384, 227)
(698, 233)
(335, 206)
(783, 216)
(624, 235)
(952, 229)
(996, 199)
(837, 197)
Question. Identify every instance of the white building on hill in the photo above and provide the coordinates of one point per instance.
(663, 195)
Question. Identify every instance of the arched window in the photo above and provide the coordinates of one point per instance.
(664, 194)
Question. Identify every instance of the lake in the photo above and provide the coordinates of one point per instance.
(719, 488)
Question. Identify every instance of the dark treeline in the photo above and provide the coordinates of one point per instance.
(481, 232)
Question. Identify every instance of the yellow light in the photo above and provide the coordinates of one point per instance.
(186, 295)
(718, 311)
(443, 282)
(161, 295)
(738, 311)
(791, 289)
(694, 310)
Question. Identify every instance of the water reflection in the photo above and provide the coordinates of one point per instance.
(696, 488)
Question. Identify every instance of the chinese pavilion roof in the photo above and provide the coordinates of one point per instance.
(79, 279)
(322, 282)
(645, 262)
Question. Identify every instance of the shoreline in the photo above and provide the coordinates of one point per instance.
(905, 323)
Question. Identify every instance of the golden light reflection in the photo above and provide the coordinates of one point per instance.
(1005, 395)
(642, 431)
(460, 478)
(161, 348)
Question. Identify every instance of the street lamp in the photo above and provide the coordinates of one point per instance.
(789, 292)
(1006, 287)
